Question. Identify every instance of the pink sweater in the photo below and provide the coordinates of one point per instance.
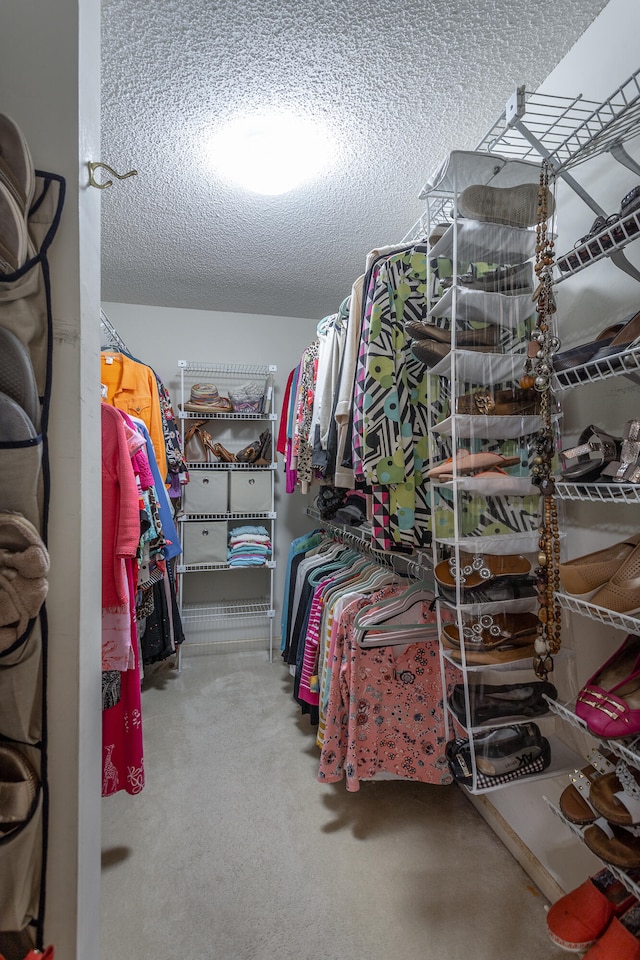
(120, 508)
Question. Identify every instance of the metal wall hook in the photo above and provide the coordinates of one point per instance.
(93, 166)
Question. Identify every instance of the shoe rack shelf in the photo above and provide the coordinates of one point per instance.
(622, 875)
(217, 523)
(600, 245)
(599, 492)
(620, 621)
(625, 363)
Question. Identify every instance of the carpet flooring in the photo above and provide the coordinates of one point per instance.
(234, 851)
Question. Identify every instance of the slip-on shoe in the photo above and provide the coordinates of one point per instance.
(580, 917)
(609, 703)
(582, 576)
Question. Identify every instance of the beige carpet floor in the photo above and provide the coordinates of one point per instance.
(234, 851)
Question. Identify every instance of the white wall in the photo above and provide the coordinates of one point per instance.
(160, 336)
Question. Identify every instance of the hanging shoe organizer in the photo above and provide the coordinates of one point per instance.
(30, 218)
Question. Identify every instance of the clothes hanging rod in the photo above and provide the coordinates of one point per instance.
(115, 340)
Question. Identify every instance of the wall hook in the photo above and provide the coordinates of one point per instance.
(93, 166)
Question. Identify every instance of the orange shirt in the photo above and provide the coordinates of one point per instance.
(132, 387)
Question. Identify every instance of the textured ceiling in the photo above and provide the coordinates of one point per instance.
(396, 84)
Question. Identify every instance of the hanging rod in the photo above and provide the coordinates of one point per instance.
(411, 565)
(115, 340)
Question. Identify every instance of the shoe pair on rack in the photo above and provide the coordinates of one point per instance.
(513, 701)
(610, 344)
(258, 452)
(485, 578)
(600, 916)
(608, 578)
(501, 755)
(491, 638)
(433, 343)
(599, 457)
(609, 703)
(605, 232)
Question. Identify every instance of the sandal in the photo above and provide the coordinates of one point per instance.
(478, 569)
(613, 845)
(616, 795)
(444, 467)
(577, 356)
(627, 468)
(595, 450)
(574, 801)
(501, 403)
(491, 632)
(626, 338)
(473, 463)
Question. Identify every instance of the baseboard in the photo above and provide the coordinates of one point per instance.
(548, 885)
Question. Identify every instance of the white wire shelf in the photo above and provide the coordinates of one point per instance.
(618, 365)
(603, 244)
(242, 415)
(226, 610)
(620, 621)
(263, 515)
(578, 831)
(237, 369)
(219, 465)
(223, 565)
(598, 492)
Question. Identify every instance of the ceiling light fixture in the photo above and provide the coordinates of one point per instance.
(270, 153)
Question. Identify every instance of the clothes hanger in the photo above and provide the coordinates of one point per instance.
(374, 625)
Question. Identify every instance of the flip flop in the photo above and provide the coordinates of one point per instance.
(489, 658)
(476, 462)
(476, 570)
(445, 465)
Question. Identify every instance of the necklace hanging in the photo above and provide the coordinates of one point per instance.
(538, 371)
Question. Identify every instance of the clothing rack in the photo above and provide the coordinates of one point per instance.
(417, 565)
(113, 338)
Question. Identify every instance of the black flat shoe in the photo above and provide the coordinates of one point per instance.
(493, 702)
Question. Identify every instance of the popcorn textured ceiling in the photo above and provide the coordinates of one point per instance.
(397, 85)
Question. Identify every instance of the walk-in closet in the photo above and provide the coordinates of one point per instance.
(319, 480)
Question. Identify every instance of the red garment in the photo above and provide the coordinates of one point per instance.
(122, 747)
(120, 511)
(281, 445)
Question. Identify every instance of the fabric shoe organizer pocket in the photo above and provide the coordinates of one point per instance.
(20, 688)
(26, 314)
(20, 844)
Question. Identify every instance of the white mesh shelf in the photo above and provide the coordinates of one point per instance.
(620, 621)
(226, 610)
(627, 361)
(242, 415)
(219, 465)
(228, 369)
(632, 886)
(599, 492)
(603, 244)
(264, 515)
(207, 567)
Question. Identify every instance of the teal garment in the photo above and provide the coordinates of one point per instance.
(301, 545)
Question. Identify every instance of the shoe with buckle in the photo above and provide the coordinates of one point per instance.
(595, 451)
(602, 703)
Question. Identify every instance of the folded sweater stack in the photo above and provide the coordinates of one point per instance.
(249, 546)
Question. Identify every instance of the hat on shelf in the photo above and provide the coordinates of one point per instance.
(206, 399)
